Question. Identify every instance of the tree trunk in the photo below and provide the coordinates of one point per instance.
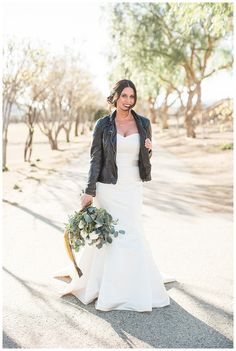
(77, 126)
(67, 132)
(164, 110)
(188, 123)
(67, 135)
(7, 106)
(91, 125)
(83, 129)
(4, 150)
(164, 118)
(53, 142)
(177, 123)
(198, 105)
(29, 145)
(152, 110)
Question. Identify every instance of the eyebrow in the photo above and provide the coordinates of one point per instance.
(126, 94)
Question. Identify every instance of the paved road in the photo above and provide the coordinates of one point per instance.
(187, 240)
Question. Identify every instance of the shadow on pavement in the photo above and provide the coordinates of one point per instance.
(34, 214)
(167, 327)
(9, 343)
(188, 199)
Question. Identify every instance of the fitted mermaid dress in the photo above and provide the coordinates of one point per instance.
(122, 275)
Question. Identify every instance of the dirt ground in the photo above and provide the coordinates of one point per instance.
(203, 156)
(23, 177)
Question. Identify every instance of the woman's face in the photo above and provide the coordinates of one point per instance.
(126, 99)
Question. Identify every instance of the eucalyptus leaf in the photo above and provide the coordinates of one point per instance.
(87, 218)
(109, 239)
(99, 246)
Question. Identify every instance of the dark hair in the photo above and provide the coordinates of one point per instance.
(117, 90)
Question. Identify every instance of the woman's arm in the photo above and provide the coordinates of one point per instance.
(96, 159)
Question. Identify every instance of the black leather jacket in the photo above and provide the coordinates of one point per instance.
(103, 166)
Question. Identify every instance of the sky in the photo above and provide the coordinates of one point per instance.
(73, 22)
(62, 23)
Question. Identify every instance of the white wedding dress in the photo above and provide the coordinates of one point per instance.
(122, 275)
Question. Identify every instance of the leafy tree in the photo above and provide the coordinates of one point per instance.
(176, 45)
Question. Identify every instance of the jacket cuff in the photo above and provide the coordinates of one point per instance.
(89, 191)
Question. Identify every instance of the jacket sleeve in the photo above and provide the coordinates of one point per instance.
(149, 135)
(96, 159)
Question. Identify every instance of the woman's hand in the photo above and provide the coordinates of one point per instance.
(148, 143)
(85, 200)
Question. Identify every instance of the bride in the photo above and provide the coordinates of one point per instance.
(122, 275)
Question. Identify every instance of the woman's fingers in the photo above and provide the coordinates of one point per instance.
(148, 143)
(85, 200)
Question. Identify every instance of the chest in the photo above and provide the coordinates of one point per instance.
(109, 138)
(127, 128)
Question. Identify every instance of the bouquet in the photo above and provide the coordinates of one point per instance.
(92, 226)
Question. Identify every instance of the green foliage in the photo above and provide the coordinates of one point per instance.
(227, 146)
(169, 44)
(91, 225)
(100, 113)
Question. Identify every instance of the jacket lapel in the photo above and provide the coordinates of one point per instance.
(112, 130)
(142, 133)
(140, 127)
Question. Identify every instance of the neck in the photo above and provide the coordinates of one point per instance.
(120, 114)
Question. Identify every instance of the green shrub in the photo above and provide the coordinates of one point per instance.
(227, 146)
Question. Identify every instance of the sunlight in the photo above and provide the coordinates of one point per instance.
(62, 24)
(68, 23)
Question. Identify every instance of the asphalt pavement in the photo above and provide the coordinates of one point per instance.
(188, 241)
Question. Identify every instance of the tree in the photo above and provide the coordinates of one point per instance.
(53, 104)
(184, 37)
(32, 98)
(69, 97)
(17, 73)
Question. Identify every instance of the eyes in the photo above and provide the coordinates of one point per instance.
(125, 95)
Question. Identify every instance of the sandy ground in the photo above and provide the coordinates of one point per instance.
(188, 223)
(27, 176)
(204, 158)
(212, 166)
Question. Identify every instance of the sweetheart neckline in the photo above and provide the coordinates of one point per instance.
(127, 135)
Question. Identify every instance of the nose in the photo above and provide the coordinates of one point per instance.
(130, 100)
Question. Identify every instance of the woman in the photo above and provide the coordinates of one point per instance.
(122, 275)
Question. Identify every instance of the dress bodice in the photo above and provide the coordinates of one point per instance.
(127, 157)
